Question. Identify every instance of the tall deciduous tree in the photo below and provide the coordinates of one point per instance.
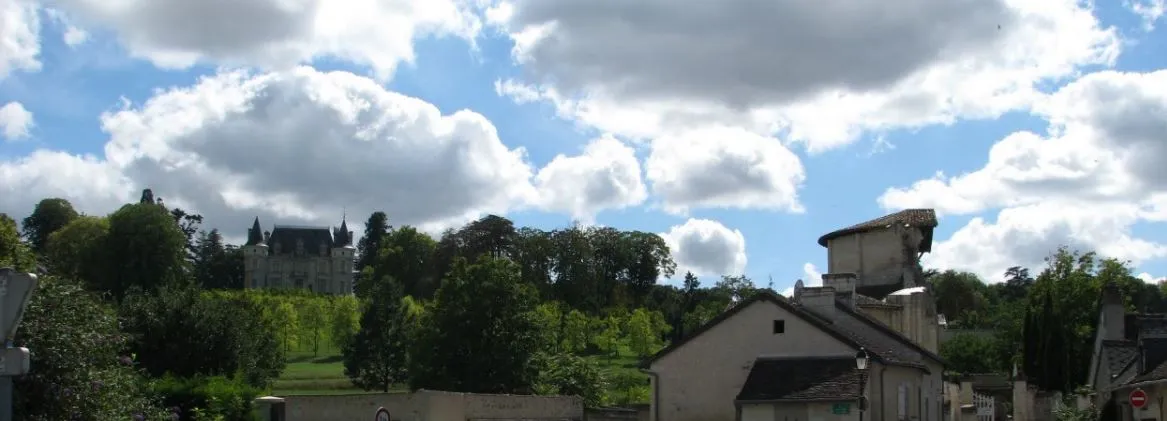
(376, 228)
(13, 252)
(482, 333)
(146, 248)
(376, 357)
(47, 217)
(407, 256)
(78, 251)
(216, 265)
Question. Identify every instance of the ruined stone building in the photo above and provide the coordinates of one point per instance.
(318, 259)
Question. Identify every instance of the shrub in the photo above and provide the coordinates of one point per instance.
(208, 398)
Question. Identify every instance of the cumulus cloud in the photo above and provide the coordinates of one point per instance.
(1084, 183)
(822, 72)
(1149, 10)
(15, 121)
(724, 167)
(19, 28)
(706, 247)
(274, 33)
(605, 176)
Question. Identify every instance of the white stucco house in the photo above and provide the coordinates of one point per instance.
(777, 359)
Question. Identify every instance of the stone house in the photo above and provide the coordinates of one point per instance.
(1130, 352)
(773, 358)
(318, 259)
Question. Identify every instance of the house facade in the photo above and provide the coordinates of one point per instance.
(1130, 352)
(772, 358)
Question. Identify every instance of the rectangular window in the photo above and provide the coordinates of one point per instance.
(903, 395)
(779, 326)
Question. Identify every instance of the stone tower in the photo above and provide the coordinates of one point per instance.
(255, 257)
(343, 254)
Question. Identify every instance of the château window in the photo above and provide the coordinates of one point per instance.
(779, 326)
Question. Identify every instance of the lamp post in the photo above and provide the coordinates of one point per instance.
(861, 364)
(15, 291)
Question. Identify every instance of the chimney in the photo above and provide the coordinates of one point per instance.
(844, 285)
(818, 300)
(1113, 313)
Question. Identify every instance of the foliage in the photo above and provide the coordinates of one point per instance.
(970, 353)
(82, 370)
(146, 248)
(181, 332)
(482, 332)
(1068, 412)
(566, 374)
(216, 265)
(77, 250)
(645, 331)
(47, 217)
(375, 358)
(208, 398)
(13, 252)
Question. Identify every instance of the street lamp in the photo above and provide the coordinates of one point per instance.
(15, 291)
(861, 364)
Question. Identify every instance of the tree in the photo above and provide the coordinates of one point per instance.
(47, 217)
(375, 359)
(482, 331)
(145, 247)
(959, 296)
(314, 321)
(13, 252)
(576, 330)
(188, 223)
(287, 320)
(645, 330)
(215, 265)
(343, 320)
(77, 250)
(406, 256)
(969, 353)
(177, 330)
(79, 369)
(376, 227)
(606, 335)
(565, 374)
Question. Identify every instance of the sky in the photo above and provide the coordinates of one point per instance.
(740, 130)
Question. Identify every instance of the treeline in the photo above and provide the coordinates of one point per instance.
(153, 297)
(1044, 325)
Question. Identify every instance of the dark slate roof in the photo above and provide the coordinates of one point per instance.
(924, 218)
(286, 236)
(1119, 354)
(1159, 372)
(883, 343)
(802, 378)
(880, 338)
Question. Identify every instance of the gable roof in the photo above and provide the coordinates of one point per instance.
(923, 218)
(802, 379)
(857, 332)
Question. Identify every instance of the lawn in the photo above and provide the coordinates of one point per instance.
(323, 374)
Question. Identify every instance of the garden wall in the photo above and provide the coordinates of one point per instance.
(426, 405)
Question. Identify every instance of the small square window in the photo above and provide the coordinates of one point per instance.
(779, 326)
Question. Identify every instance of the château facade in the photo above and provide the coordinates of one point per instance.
(319, 259)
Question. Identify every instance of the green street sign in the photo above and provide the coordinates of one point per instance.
(841, 408)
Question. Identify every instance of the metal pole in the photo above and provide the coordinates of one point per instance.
(862, 395)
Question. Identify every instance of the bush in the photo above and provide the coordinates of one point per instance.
(215, 398)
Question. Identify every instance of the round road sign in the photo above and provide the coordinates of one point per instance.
(1138, 398)
(382, 414)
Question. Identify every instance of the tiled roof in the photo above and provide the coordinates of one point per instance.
(1157, 373)
(284, 238)
(925, 218)
(880, 339)
(802, 378)
(1119, 354)
(851, 327)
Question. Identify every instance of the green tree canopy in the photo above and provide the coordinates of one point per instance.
(47, 217)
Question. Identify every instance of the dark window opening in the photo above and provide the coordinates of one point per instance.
(779, 326)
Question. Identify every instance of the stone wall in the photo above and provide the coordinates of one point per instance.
(428, 405)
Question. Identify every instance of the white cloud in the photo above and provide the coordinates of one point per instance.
(811, 277)
(19, 28)
(822, 72)
(294, 147)
(1149, 10)
(274, 33)
(706, 247)
(724, 167)
(1084, 184)
(605, 176)
(71, 35)
(15, 121)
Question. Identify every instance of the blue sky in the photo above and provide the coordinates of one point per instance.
(833, 145)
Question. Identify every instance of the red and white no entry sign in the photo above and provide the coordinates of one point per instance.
(1138, 398)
